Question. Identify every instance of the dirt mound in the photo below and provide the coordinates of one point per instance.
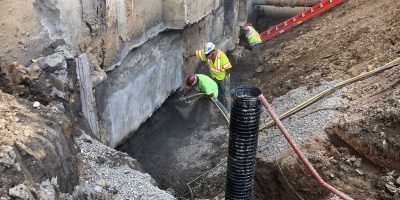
(370, 120)
(363, 148)
(336, 45)
(36, 145)
(346, 170)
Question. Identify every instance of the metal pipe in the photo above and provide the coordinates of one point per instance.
(298, 151)
(279, 12)
(284, 3)
(243, 137)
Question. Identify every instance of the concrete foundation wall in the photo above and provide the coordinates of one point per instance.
(139, 85)
(123, 38)
(109, 28)
(121, 107)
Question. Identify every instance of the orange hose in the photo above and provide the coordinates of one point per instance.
(299, 153)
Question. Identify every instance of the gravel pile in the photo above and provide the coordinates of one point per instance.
(201, 147)
(113, 175)
(304, 125)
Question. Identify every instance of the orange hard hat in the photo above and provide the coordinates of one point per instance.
(191, 80)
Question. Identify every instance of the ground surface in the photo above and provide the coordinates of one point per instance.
(351, 137)
(180, 142)
(336, 45)
(35, 146)
(356, 157)
(361, 152)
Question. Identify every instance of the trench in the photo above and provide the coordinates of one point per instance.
(181, 141)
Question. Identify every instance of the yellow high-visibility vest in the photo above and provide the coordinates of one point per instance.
(254, 37)
(219, 66)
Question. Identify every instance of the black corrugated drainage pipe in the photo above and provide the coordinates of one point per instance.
(243, 134)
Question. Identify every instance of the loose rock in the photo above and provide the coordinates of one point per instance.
(391, 188)
(21, 191)
(36, 104)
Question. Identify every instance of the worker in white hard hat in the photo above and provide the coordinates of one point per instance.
(219, 66)
(252, 36)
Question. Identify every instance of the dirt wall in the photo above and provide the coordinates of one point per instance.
(36, 145)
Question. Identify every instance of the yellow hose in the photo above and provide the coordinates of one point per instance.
(321, 95)
(221, 109)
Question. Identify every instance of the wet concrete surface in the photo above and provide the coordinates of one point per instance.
(179, 142)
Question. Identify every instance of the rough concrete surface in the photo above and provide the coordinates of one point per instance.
(139, 85)
(86, 93)
(110, 32)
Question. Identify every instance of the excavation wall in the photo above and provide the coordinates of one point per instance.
(127, 53)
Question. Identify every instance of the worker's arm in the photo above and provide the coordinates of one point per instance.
(226, 65)
(186, 56)
(199, 55)
(208, 91)
(228, 73)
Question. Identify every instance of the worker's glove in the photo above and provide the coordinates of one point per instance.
(185, 56)
(226, 79)
(213, 98)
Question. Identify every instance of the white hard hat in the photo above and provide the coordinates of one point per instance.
(249, 29)
(209, 47)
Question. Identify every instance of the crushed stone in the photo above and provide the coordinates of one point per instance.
(200, 143)
(303, 125)
(120, 181)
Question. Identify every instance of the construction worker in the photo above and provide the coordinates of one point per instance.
(219, 66)
(204, 84)
(252, 36)
(209, 87)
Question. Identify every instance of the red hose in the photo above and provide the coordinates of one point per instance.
(299, 153)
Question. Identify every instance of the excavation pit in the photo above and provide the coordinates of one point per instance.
(180, 142)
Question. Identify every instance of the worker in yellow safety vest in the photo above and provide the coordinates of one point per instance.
(252, 36)
(219, 67)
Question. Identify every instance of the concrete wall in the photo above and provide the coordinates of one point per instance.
(123, 38)
(140, 84)
(121, 108)
(109, 28)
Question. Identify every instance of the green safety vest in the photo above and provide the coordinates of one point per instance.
(206, 85)
(219, 66)
(254, 37)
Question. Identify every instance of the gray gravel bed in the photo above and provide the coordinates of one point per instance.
(118, 181)
(303, 125)
(200, 147)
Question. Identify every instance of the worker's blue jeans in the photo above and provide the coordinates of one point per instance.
(256, 48)
(225, 92)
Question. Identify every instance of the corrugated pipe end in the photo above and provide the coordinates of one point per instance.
(246, 96)
(243, 137)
